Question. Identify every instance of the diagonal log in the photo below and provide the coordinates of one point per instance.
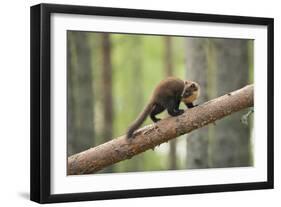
(118, 149)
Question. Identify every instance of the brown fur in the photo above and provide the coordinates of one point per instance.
(167, 95)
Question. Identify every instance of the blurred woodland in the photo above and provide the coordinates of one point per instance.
(111, 77)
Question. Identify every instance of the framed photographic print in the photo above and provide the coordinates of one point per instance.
(133, 103)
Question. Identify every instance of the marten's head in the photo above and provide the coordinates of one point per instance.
(190, 92)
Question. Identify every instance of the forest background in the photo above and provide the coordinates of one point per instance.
(111, 77)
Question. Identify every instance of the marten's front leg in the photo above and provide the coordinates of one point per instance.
(190, 105)
(173, 108)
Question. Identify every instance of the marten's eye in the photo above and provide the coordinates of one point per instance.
(192, 85)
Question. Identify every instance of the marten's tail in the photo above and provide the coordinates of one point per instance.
(136, 124)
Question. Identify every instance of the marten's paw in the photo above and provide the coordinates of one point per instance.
(180, 112)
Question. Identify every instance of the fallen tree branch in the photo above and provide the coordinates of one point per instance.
(97, 158)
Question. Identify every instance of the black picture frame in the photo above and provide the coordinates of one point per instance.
(41, 99)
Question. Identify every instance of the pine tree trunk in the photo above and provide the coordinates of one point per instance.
(80, 93)
(107, 91)
(137, 162)
(168, 60)
(196, 69)
(71, 135)
(230, 145)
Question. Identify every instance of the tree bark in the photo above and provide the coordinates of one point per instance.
(97, 158)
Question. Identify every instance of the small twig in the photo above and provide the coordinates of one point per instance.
(244, 119)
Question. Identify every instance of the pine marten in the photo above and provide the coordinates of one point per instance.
(167, 95)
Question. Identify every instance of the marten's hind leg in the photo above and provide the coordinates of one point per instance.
(157, 109)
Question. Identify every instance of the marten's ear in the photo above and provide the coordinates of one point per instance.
(185, 82)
